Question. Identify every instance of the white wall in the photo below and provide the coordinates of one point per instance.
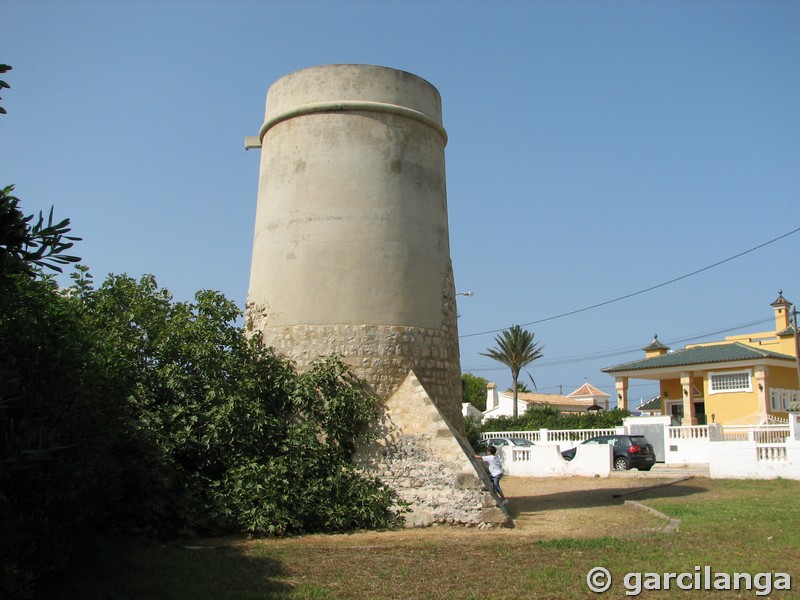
(468, 410)
(500, 405)
(546, 461)
(746, 460)
(687, 445)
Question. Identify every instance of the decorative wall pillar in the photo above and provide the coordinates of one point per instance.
(794, 426)
(491, 396)
(689, 417)
(762, 389)
(621, 385)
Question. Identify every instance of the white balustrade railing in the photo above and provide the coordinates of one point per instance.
(554, 437)
(532, 436)
(771, 453)
(760, 434)
(520, 455)
(687, 432)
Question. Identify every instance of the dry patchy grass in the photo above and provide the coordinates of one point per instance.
(564, 527)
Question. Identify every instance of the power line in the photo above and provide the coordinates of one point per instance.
(576, 358)
(631, 295)
(584, 357)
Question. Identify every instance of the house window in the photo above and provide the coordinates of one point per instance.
(781, 398)
(775, 399)
(729, 381)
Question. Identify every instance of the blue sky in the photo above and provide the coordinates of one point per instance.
(596, 149)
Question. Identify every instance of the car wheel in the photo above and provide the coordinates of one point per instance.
(620, 464)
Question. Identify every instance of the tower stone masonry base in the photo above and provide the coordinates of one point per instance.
(379, 354)
(429, 464)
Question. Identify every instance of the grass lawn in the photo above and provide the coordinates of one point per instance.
(564, 528)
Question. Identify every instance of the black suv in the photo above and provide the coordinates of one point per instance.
(630, 451)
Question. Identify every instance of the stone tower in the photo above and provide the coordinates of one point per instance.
(351, 256)
(351, 253)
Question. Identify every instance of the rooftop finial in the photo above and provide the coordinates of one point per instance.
(780, 301)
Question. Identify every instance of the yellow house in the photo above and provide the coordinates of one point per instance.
(741, 379)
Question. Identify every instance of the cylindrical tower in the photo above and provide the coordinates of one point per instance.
(351, 253)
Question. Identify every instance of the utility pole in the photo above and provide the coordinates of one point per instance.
(796, 343)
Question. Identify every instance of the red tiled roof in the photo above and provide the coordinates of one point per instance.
(587, 389)
(551, 399)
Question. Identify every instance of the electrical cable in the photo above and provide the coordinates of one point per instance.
(576, 358)
(649, 289)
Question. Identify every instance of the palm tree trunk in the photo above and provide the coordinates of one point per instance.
(514, 377)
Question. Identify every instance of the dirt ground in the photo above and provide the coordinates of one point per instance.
(553, 508)
(549, 508)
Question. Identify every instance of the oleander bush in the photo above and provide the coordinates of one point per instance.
(123, 410)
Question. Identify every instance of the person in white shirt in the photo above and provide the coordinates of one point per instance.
(495, 471)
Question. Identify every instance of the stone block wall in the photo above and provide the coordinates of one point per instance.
(379, 354)
(429, 464)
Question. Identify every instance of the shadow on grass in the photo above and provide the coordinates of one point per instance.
(594, 498)
(124, 568)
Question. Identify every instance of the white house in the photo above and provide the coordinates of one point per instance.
(469, 411)
(588, 393)
(583, 399)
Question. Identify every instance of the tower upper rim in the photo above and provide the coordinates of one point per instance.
(352, 106)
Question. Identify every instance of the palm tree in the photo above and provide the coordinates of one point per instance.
(515, 349)
(522, 387)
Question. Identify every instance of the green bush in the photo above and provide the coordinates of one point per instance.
(473, 390)
(55, 427)
(55, 422)
(549, 417)
(122, 410)
(473, 430)
(222, 435)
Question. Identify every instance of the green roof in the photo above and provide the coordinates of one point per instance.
(700, 355)
(652, 404)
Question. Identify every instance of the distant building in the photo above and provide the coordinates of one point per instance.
(588, 393)
(469, 411)
(742, 379)
(650, 407)
(585, 398)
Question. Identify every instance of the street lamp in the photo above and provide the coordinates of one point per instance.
(458, 316)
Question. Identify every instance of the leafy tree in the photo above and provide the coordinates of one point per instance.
(521, 388)
(121, 409)
(54, 422)
(515, 349)
(25, 247)
(473, 390)
(473, 429)
(222, 435)
(3, 84)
